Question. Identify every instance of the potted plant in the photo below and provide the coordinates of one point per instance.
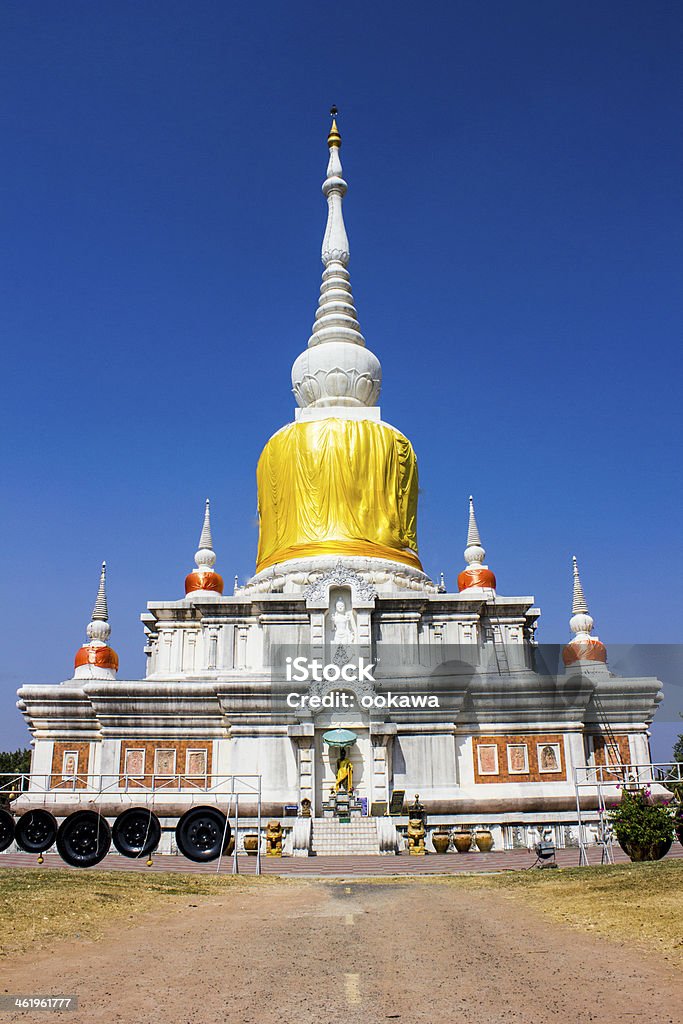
(644, 828)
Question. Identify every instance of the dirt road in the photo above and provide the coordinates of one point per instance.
(319, 952)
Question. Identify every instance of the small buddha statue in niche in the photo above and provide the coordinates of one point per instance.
(342, 621)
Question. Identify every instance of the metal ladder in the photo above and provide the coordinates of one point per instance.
(612, 756)
(502, 661)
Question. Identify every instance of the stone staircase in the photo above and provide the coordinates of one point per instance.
(332, 837)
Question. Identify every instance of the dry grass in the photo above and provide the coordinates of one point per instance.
(39, 907)
(639, 903)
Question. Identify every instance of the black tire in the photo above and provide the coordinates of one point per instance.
(83, 839)
(202, 834)
(35, 831)
(6, 829)
(136, 832)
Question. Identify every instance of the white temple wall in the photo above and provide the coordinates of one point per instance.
(271, 756)
(41, 759)
(425, 762)
(574, 752)
(465, 759)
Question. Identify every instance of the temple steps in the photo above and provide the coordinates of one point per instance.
(333, 838)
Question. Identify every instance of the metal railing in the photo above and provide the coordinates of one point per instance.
(603, 778)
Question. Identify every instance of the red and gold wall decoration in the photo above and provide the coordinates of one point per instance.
(142, 761)
(70, 765)
(519, 758)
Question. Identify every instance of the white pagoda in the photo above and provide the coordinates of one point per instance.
(340, 628)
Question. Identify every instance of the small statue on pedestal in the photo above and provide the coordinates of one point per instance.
(416, 837)
(344, 773)
(274, 837)
(342, 621)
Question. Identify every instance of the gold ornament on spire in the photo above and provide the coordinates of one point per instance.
(334, 138)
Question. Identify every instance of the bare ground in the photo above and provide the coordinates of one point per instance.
(321, 952)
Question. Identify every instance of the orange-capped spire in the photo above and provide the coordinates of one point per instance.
(203, 579)
(476, 575)
(95, 659)
(583, 647)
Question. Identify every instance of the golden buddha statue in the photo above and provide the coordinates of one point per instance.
(344, 774)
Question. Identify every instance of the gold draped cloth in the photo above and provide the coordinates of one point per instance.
(337, 487)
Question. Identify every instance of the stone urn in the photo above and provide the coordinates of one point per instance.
(462, 841)
(646, 851)
(484, 840)
(251, 845)
(441, 840)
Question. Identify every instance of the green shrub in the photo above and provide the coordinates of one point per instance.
(638, 819)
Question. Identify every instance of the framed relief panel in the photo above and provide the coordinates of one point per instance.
(518, 759)
(195, 762)
(487, 759)
(69, 765)
(164, 762)
(549, 758)
(134, 766)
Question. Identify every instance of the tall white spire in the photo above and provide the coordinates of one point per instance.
(98, 628)
(100, 610)
(205, 557)
(581, 621)
(474, 552)
(336, 369)
(336, 318)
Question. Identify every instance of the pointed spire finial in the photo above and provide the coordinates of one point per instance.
(581, 621)
(205, 539)
(334, 138)
(205, 557)
(100, 610)
(236, 586)
(474, 552)
(336, 368)
(578, 598)
(472, 528)
(98, 628)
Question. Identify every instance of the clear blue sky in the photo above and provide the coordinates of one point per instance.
(514, 211)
